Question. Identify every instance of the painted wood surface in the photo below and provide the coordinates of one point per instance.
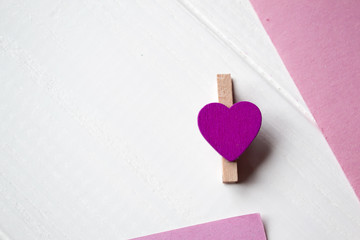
(99, 140)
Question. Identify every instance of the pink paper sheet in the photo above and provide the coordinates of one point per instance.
(247, 227)
(319, 42)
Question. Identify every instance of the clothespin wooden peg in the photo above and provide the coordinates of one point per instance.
(229, 128)
(225, 95)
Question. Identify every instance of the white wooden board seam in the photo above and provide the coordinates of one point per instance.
(220, 36)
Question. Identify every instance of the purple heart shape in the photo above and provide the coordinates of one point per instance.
(229, 130)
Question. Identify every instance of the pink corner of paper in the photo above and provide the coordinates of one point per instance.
(247, 227)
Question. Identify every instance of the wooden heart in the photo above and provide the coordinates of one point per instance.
(229, 130)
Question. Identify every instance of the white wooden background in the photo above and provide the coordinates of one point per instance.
(98, 133)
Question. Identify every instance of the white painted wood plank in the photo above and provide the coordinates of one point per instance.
(99, 136)
(237, 26)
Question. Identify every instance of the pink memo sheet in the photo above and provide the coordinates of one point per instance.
(319, 42)
(247, 227)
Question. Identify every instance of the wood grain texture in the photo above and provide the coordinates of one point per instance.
(229, 171)
(98, 106)
(225, 89)
(225, 95)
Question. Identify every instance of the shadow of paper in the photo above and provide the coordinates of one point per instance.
(264, 224)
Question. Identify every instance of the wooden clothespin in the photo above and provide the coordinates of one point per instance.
(229, 128)
(225, 95)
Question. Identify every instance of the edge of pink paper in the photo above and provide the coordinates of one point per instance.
(318, 42)
(242, 227)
